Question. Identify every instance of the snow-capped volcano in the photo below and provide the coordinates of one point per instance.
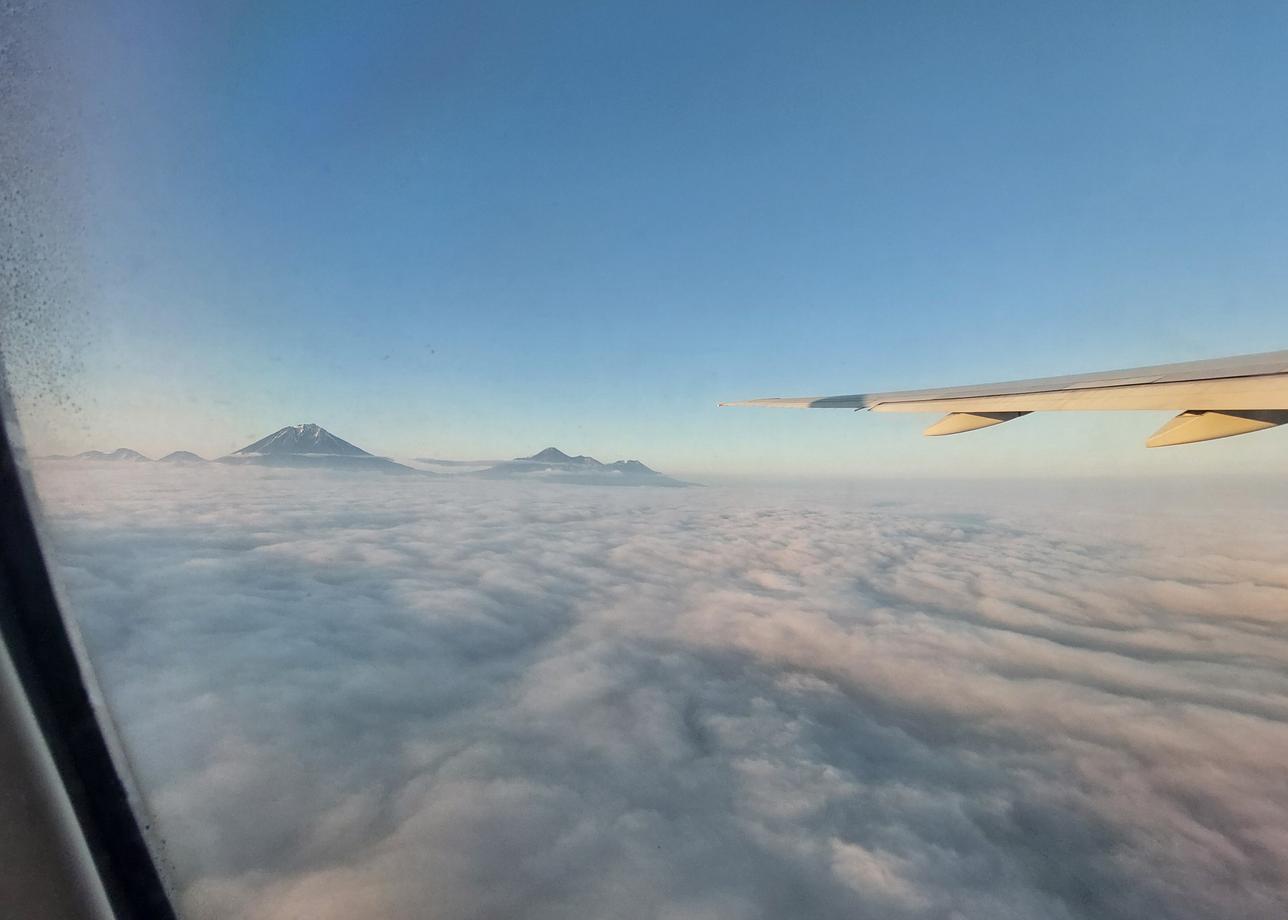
(303, 439)
(311, 446)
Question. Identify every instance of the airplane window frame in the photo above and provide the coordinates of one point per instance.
(35, 632)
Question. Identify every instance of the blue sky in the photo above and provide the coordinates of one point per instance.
(477, 229)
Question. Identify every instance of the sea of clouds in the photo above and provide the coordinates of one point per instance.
(358, 696)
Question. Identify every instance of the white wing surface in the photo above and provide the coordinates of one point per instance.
(1216, 398)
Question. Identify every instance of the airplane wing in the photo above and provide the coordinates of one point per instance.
(1217, 398)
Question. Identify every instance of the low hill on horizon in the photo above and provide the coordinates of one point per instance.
(121, 454)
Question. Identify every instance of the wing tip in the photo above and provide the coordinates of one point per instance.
(787, 402)
(804, 402)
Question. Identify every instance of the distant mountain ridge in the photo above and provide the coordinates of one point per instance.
(310, 446)
(553, 456)
(556, 465)
(121, 453)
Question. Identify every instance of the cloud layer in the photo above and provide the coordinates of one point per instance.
(347, 696)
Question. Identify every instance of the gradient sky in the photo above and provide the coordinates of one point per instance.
(472, 230)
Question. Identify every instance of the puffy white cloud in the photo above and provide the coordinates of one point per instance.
(348, 696)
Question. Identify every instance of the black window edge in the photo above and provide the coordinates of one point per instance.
(43, 651)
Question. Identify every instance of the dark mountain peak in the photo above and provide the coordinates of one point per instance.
(303, 439)
(633, 466)
(555, 455)
(549, 455)
(182, 456)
